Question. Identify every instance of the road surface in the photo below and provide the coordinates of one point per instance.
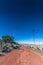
(23, 56)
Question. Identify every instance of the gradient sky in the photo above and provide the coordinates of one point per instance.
(20, 17)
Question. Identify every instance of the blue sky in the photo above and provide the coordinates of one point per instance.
(20, 17)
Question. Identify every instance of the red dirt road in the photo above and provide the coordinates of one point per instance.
(23, 56)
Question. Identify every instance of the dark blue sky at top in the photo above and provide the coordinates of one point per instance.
(20, 17)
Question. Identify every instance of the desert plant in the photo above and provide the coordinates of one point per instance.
(8, 39)
(15, 45)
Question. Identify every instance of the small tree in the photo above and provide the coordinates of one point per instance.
(8, 39)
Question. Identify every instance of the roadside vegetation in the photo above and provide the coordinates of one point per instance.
(7, 44)
(36, 48)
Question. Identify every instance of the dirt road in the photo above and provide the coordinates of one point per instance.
(23, 56)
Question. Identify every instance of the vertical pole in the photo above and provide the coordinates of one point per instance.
(33, 33)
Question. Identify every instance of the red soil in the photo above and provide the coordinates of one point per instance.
(23, 56)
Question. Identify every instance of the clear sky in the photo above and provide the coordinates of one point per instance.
(20, 17)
